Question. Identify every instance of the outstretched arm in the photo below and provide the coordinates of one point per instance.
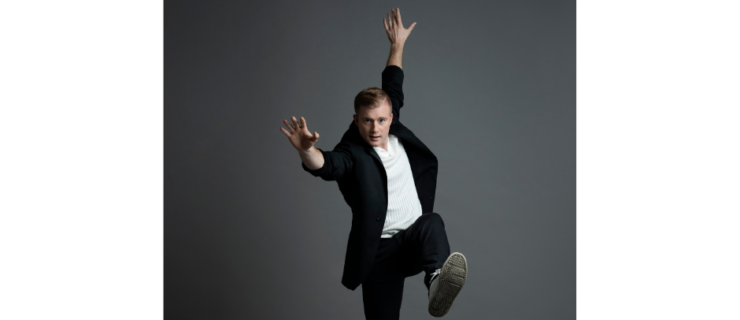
(397, 35)
(330, 165)
(303, 141)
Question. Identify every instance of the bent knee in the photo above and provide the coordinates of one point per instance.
(432, 217)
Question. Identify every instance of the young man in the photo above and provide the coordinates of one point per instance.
(388, 177)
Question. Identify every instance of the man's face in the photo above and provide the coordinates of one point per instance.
(375, 124)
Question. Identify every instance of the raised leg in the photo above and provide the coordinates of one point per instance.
(427, 239)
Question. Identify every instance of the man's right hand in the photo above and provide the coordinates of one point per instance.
(299, 136)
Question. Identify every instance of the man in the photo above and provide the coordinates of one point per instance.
(388, 177)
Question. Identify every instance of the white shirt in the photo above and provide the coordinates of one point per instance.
(404, 206)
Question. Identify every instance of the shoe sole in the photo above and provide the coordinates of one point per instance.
(451, 280)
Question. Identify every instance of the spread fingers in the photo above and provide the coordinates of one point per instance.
(290, 126)
(295, 123)
(285, 132)
(303, 124)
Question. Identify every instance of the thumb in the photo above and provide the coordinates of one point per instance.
(315, 136)
(411, 27)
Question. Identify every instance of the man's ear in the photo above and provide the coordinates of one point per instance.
(354, 117)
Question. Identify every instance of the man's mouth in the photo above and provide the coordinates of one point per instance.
(374, 138)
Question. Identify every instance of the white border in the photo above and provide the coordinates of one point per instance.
(81, 168)
(658, 156)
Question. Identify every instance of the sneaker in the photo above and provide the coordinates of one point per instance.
(446, 283)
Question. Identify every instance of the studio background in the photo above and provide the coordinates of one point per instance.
(489, 88)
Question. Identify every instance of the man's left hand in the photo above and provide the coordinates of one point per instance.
(397, 34)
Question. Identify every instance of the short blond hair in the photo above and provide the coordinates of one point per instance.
(372, 98)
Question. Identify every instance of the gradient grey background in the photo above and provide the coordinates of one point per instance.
(490, 89)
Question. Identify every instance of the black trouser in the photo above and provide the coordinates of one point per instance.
(422, 246)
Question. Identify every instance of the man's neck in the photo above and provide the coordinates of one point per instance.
(384, 146)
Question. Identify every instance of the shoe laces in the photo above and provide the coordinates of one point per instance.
(434, 275)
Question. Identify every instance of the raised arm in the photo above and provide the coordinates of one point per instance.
(393, 73)
(397, 35)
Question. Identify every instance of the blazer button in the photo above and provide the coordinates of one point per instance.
(377, 219)
(433, 170)
(431, 197)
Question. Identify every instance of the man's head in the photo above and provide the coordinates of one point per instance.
(373, 116)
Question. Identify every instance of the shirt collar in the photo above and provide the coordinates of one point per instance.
(392, 144)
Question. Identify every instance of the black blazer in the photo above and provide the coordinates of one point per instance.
(361, 176)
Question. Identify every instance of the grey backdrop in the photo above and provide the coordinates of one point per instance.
(490, 89)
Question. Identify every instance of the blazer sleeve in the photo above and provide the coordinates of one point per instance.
(392, 85)
(337, 163)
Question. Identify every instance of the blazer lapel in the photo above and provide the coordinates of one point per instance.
(372, 152)
(403, 133)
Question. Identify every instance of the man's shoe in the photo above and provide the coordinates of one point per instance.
(446, 284)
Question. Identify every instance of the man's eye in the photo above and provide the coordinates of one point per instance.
(367, 120)
(382, 120)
